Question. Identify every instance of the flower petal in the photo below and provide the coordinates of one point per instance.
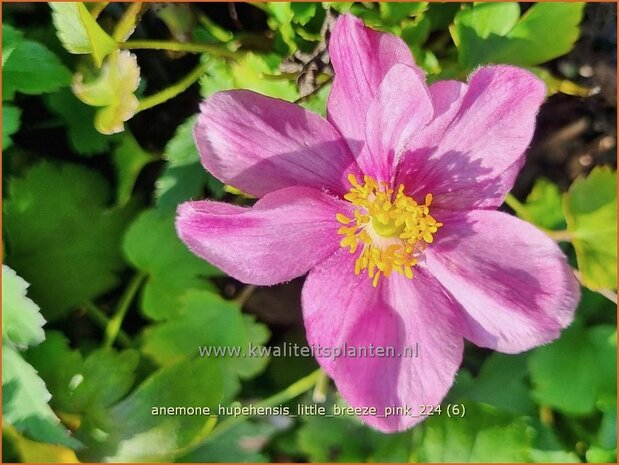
(281, 237)
(400, 108)
(261, 144)
(401, 314)
(470, 157)
(361, 57)
(514, 284)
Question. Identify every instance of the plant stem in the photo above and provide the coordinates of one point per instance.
(515, 204)
(98, 8)
(244, 295)
(210, 49)
(172, 91)
(113, 326)
(292, 391)
(102, 320)
(560, 236)
(127, 22)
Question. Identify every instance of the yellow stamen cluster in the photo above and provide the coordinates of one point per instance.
(392, 229)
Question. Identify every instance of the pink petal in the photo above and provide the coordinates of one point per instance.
(339, 307)
(261, 144)
(400, 108)
(471, 155)
(281, 237)
(514, 284)
(361, 57)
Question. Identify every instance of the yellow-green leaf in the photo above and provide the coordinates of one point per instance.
(79, 32)
(590, 209)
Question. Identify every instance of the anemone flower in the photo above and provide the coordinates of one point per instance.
(390, 204)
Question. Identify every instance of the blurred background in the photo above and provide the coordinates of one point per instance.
(98, 105)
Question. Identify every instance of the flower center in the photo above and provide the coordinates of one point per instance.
(392, 229)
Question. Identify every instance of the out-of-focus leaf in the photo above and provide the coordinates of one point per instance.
(22, 324)
(395, 12)
(346, 439)
(416, 33)
(79, 119)
(184, 177)
(29, 67)
(484, 434)
(492, 33)
(113, 90)
(544, 205)
(82, 385)
(61, 237)
(501, 383)
(207, 320)
(243, 443)
(11, 38)
(591, 353)
(129, 159)
(598, 455)
(131, 432)
(179, 19)
(590, 207)
(317, 102)
(24, 402)
(253, 72)
(441, 15)
(79, 32)
(303, 12)
(10, 123)
(171, 269)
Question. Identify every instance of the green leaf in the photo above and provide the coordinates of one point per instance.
(395, 12)
(11, 38)
(29, 67)
(484, 434)
(61, 237)
(248, 72)
(544, 205)
(171, 269)
(79, 32)
(82, 385)
(492, 33)
(22, 324)
(131, 432)
(24, 402)
(129, 159)
(498, 371)
(10, 124)
(303, 12)
(207, 320)
(243, 443)
(184, 177)
(113, 90)
(79, 120)
(590, 207)
(346, 439)
(589, 352)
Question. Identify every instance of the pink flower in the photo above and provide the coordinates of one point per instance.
(390, 204)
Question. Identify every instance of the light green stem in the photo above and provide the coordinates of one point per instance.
(127, 22)
(172, 91)
(292, 391)
(518, 207)
(102, 320)
(113, 327)
(210, 49)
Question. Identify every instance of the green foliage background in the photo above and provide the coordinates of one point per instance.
(104, 308)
